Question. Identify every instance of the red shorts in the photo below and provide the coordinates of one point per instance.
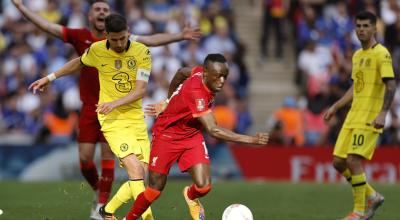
(188, 153)
(89, 126)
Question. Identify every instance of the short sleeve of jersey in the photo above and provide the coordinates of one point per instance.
(144, 61)
(89, 58)
(385, 64)
(196, 69)
(144, 64)
(197, 102)
(69, 34)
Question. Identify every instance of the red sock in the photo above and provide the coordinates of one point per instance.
(106, 180)
(142, 203)
(89, 171)
(194, 192)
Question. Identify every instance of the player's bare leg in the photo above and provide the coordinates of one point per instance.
(134, 186)
(201, 176)
(157, 183)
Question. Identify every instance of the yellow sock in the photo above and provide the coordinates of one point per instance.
(369, 191)
(137, 187)
(347, 175)
(359, 189)
(122, 196)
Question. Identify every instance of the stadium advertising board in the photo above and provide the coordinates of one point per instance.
(275, 163)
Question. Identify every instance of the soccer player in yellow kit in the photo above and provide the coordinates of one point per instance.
(371, 96)
(124, 70)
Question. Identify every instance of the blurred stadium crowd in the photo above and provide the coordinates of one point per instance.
(28, 53)
(325, 40)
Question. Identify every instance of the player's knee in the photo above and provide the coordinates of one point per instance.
(339, 164)
(151, 194)
(202, 191)
(353, 162)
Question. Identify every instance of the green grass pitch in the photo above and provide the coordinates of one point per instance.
(268, 201)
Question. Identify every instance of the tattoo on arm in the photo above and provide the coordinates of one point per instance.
(389, 94)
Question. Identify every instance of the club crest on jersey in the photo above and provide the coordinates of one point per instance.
(123, 147)
(118, 64)
(200, 104)
(131, 63)
(154, 161)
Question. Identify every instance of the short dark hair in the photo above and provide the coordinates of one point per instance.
(214, 57)
(95, 1)
(115, 23)
(367, 15)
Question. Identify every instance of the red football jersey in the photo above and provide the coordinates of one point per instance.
(191, 99)
(89, 86)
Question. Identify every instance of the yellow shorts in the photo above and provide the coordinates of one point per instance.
(356, 141)
(129, 140)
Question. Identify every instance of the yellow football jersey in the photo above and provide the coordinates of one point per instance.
(369, 68)
(118, 73)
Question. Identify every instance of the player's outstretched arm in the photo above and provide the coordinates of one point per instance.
(154, 110)
(216, 131)
(180, 76)
(70, 67)
(347, 98)
(51, 28)
(188, 33)
(132, 96)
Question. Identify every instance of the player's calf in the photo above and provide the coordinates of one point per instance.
(142, 203)
(197, 192)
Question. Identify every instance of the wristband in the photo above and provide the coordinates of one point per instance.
(51, 77)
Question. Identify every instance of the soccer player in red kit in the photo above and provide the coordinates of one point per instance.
(177, 136)
(89, 127)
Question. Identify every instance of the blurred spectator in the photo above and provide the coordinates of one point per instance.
(287, 124)
(220, 42)
(314, 65)
(243, 116)
(61, 123)
(315, 130)
(273, 17)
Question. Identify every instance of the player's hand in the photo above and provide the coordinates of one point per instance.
(379, 121)
(155, 109)
(191, 33)
(105, 108)
(261, 138)
(39, 85)
(329, 113)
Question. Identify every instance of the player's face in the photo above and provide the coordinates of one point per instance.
(118, 40)
(215, 74)
(365, 30)
(97, 15)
